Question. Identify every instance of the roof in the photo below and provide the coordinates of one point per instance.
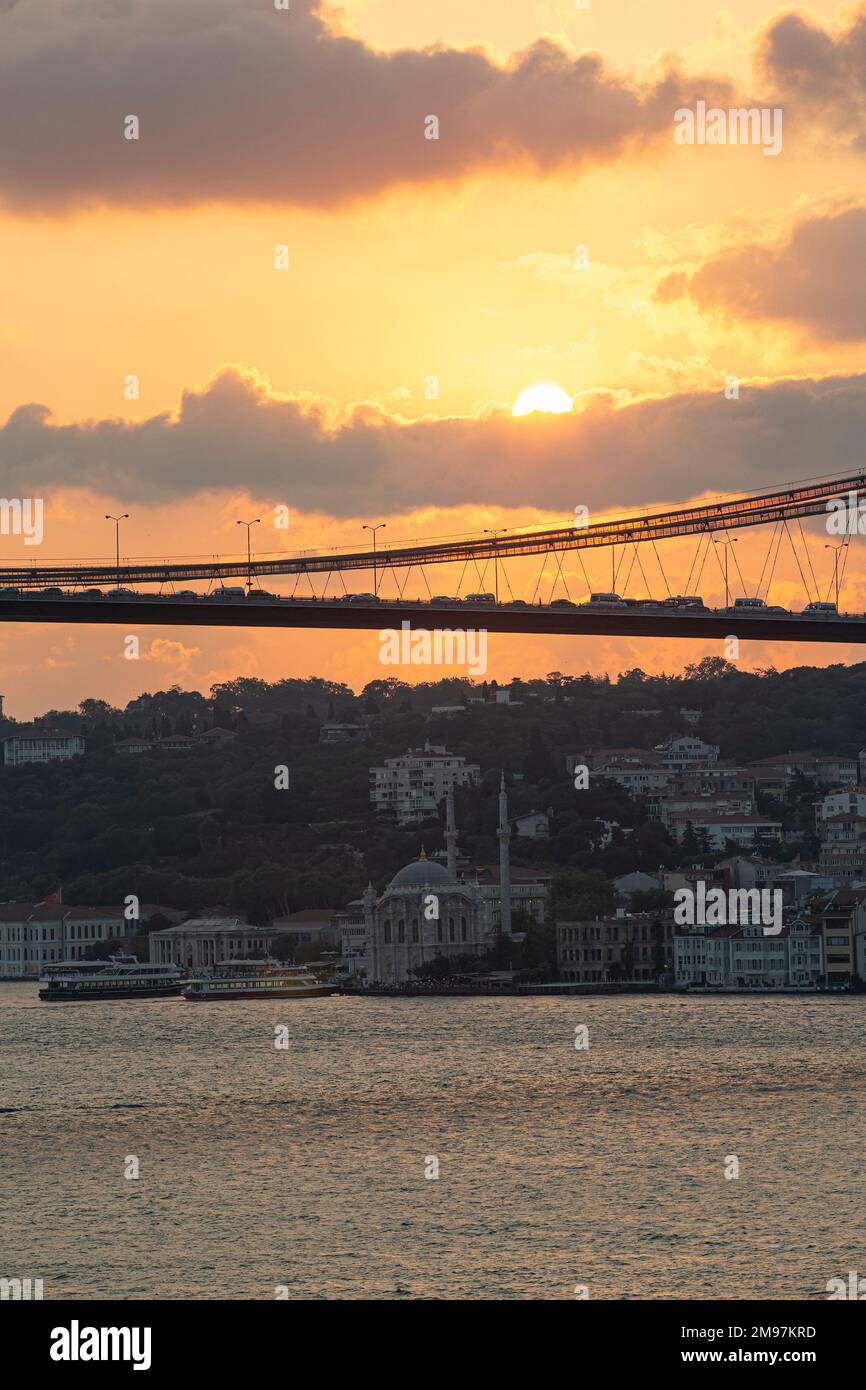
(309, 914)
(15, 912)
(723, 819)
(421, 873)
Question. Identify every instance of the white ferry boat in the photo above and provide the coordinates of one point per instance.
(121, 977)
(257, 979)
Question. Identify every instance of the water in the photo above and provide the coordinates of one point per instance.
(305, 1168)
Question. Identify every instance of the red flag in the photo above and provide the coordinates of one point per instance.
(55, 897)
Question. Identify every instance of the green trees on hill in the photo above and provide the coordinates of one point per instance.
(207, 829)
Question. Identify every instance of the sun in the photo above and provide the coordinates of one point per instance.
(552, 400)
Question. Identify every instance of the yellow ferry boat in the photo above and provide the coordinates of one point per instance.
(257, 979)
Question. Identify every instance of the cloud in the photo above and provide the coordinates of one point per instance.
(240, 102)
(236, 433)
(816, 279)
(820, 71)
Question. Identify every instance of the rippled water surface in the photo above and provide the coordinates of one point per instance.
(305, 1167)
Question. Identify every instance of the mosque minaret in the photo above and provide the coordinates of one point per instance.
(504, 837)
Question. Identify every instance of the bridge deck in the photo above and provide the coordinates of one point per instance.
(541, 619)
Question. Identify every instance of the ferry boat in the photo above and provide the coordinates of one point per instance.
(120, 977)
(257, 979)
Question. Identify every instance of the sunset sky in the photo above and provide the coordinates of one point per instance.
(410, 259)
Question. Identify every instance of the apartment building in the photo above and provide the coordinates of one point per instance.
(745, 957)
(722, 828)
(686, 751)
(411, 787)
(626, 947)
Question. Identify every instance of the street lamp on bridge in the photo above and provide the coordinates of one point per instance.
(732, 541)
(124, 516)
(249, 525)
(836, 549)
(380, 527)
(501, 532)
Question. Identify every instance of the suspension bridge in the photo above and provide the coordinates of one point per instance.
(73, 591)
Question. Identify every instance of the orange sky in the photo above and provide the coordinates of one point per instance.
(410, 259)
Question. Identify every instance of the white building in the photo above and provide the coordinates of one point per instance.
(848, 801)
(687, 750)
(36, 746)
(720, 829)
(411, 787)
(535, 825)
(747, 958)
(33, 935)
(209, 941)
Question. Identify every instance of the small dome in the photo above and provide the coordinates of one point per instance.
(421, 873)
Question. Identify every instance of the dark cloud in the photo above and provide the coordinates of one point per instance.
(233, 434)
(239, 102)
(817, 280)
(819, 72)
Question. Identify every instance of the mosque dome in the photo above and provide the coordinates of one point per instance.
(421, 873)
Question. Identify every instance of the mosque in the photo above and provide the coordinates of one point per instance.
(427, 911)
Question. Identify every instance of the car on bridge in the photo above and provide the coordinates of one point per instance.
(445, 598)
(365, 598)
(262, 596)
(90, 593)
(565, 603)
(185, 595)
(10, 591)
(816, 609)
(228, 593)
(685, 601)
(604, 601)
(480, 598)
(52, 592)
(746, 605)
(121, 594)
(517, 603)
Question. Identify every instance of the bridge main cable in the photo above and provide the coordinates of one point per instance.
(807, 499)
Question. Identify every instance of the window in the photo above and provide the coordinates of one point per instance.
(386, 935)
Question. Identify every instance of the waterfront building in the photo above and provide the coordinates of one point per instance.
(33, 935)
(745, 957)
(206, 941)
(842, 917)
(629, 946)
